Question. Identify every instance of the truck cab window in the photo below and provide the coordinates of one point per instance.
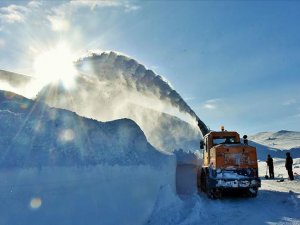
(226, 140)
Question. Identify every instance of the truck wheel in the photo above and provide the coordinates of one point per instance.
(203, 181)
(214, 193)
(210, 194)
(218, 193)
(252, 192)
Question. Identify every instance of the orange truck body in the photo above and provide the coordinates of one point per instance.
(227, 164)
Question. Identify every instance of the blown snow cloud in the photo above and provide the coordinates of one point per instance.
(13, 14)
(111, 86)
(2, 43)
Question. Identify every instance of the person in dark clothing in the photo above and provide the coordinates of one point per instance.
(289, 165)
(245, 139)
(271, 166)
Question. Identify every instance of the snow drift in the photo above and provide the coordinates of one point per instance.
(56, 166)
(36, 134)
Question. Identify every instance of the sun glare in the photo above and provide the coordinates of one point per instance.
(56, 65)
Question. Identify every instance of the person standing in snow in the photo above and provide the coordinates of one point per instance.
(271, 166)
(245, 139)
(289, 165)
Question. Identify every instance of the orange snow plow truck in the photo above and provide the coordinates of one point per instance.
(228, 164)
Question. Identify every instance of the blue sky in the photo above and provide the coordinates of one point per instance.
(235, 63)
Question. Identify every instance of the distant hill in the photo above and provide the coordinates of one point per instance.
(282, 139)
(276, 143)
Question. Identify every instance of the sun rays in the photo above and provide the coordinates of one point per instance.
(56, 65)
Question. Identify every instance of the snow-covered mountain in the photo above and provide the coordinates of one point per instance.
(282, 139)
(276, 143)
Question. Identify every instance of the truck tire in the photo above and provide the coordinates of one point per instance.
(252, 192)
(203, 181)
(212, 193)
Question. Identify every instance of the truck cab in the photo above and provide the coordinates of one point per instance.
(227, 164)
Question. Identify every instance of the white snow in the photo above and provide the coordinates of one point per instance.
(101, 194)
(276, 203)
(59, 168)
(283, 139)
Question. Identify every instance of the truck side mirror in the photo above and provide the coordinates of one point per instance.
(201, 144)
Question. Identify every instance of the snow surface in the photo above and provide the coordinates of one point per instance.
(60, 168)
(101, 194)
(283, 139)
(57, 167)
(276, 203)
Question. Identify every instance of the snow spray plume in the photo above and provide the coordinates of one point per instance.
(112, 86)
(145, 81)
(137, 76)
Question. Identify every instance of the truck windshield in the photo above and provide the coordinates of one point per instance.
(226, 140)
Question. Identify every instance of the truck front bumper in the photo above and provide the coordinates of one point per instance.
(235, 183)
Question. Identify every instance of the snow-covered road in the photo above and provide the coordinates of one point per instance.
(276, 203)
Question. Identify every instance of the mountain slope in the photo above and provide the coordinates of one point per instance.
(281, 140)
(276, 143)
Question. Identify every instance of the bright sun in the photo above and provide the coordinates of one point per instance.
(56, 65)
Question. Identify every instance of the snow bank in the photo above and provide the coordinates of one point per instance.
(170, 209)
(99, 194)
(59, 168)
(188, 157)
(35, 135)
(186, 171)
